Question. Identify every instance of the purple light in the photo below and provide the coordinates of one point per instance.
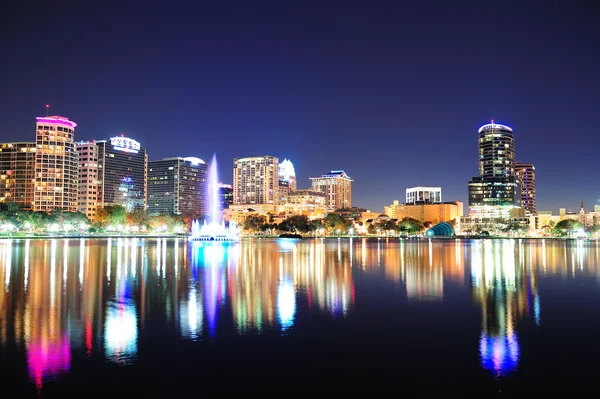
(43, 119)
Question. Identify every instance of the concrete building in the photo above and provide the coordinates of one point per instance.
(424, 195)
(177, 186)
(435, 213)
(239, 213)
(88, 191)
(525, 173)
(56, 165)
(305, 202)
(255, 180)
(17, 173)
(337, 187)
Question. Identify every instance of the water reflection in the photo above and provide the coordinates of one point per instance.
(100, 298)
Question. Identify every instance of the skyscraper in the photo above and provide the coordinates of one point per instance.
(337, 187)
(177, 186)
(56, 165)
(495, 193)
(287, 180)
(525, 173)
(287, 173)
(255, 180)
(17, 173)
(121, 170)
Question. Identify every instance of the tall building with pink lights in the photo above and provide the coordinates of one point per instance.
(56, 165)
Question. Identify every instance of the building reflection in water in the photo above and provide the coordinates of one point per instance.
(421, 265)
(97, 297)
(505, 286)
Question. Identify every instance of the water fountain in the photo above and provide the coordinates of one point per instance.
(215, 229)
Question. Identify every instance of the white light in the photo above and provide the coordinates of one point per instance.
(120, 333)
(494, 126)
(286, 303)
(125, 144)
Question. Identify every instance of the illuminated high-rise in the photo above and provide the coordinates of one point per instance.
(525, 173)
(495, 193)
(256, 180)
(287, 173)
(118, 177)
(56, 165)
(177, 186)
(88, 192)
(17, 173)
(337, 187)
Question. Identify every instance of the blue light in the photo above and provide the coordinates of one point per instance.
(499, 355)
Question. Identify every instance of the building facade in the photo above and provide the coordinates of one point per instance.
(113, 172)
(306, 202)
(177, 186)
(496, 192)
(525, 173)
(88, 191)
(256, 180)
(435, 213)
(56, 165)
(424, 195)
(123, 173)
(337, 187)
(17, 173)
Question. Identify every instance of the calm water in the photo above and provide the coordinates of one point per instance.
(285, 315)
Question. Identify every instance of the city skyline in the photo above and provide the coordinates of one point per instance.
(393, 94)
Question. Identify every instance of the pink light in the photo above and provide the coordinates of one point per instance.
(43, 119)
(46, 359)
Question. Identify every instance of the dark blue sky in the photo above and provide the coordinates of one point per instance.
(393, 92)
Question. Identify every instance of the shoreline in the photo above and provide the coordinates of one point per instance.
(184, 236)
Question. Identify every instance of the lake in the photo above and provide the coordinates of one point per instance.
(280, 316)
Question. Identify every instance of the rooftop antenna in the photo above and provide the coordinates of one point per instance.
(47, 108)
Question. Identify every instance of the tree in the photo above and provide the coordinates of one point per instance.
(515, 228)
(254, 222)
(114, 215)
(410, 226)
(566, 227)
(296, 223)
(138, 217)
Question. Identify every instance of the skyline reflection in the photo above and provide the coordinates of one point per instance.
(62, 297)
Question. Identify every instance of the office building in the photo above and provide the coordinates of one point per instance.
(525, 173)
(337, 187)
(121, 174)
(495, 193)
(17, 173)
(306, 202)
(56, 165)
(424, 195)
(256, 180)
(177, 186)
(88, 191)
(226, 195)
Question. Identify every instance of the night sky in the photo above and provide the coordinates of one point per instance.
(392, 92)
